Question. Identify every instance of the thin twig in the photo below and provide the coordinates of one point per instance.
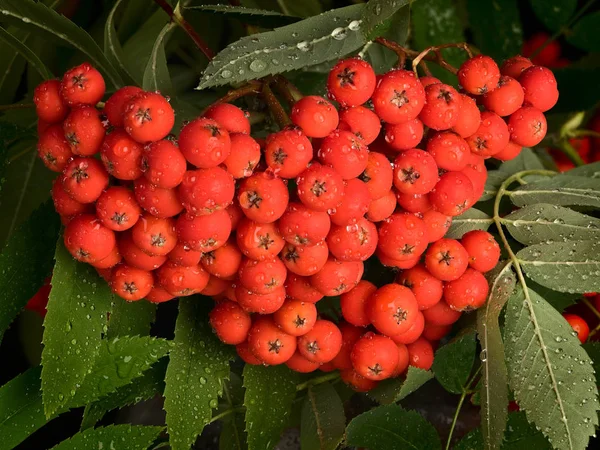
(251, 88)
(275, 107)
(16, 106)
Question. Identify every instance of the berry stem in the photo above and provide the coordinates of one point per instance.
(318, 380)
(227, 412)
(286, 88)
(591, 307)
(465, 391)
(583, 133)
(275, 107)
(251, 88)
(177, 17)
(16, 106)
(571, 153)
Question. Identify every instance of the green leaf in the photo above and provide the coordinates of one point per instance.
(593, 351)
(156, 75)
(574, 81)
(37, 16)
(472, 441)
(553, 13)
(543, 222)
(12, 66)
(323, 418)
(453, 363)
(494, 180)
(26, 52)
(306, 43)
(591, 170)
(390, 428)
(502, 16)
(76, 318)
(199, 365)
(270, 392)
(550, 373)
(376, 13)
(112, 46)
(305, 8)
(396, 389)
(233, 434)
(117, 437)
(572, 266)
(471, 219)
(250, 16)
(26, 261)
(494, 375)
(584, 34)
(526, 160)
(563, 190)
(521, 435)
(558, 300)
(131, 318)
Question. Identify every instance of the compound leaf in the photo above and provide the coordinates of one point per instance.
(323, 418)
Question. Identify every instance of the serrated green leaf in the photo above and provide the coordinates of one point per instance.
(117, 437)
(572, 266)
(395, 389)
(453, 363)
(550, 373)
(306, 43)
(250, 16)
(156, 75)
(199, 365)
(12, 66)
(584, 34)
(494, 375)
(270, 392)
(559, 300)
(26, 261)
(553, 13)
(376, 13)
(37, 16)
(26, 52)
(130, 318)
(472, 441)
(543, 222)
(593, 351)
(471, 219)
(73, 327)
(561, 190)
(526, 160)
(112, 46)
(389, 428)
(323, 418)
(305, 8)
(233, 430)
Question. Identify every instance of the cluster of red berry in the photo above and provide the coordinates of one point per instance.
(268, 228)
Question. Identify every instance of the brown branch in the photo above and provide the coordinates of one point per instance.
(251, 88)
(16, 106)
(286, 88)
(275, 107)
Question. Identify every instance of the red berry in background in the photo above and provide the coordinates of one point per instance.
(402, 237)
(181, 281)
(115, 105)
(468, 292)
(398, 97)
(320, 187)
(491, 137)
(269, 343)
(345, 152)
(436, 225)
(84, 130)
(540, 87)
(230, 322)
(446, 259)
(288, 152)
(511, 151)
(64, 204)
(322, 343)
(361, 121)
(315, 116)
(157, 201)
(299, 288)
(296, 317)
(204, 233)
(243, 351)
(477, 173)
(163, 164)
(453, 194)
(428, 79)
(353, 303)
(337, 277)
(204, 143)
(82, 85)
(409, 336)
(397, 263)
(84, 179)
(579, 325)
(87, 239)
(136, 257)
(482, 248)
(506, 98)
(222, 262)
(113, 258)
(39, 301)
(440, 314)
(355, 242)
(158, 295)
(300, 225)
(49, 105)
(262, 277)
(469, 117)
(513, 67)
(449, 150)
(357, 382)
(420, 354)
(433, 332)
(442, 107)
(426, 288)
(548, 55)
(479, 75)
(184, 255)
(204, 191)
(155, 236)
(242, 161)
(230, 117)
(215, 286)
(148, 117)
(350, 334)
(259, 240)
(117, 209)
(378, 175)
(121, 155)
(53, 148)
(392, 309)
(351, 82)
(130, 283)
(263, 198)
(382, 208)
(405, 135)
(527, 126)
(403, 359)
(415, 172)
(260, 303)
(355, 203)
(374, 357)
(305, 260)
(300, 364)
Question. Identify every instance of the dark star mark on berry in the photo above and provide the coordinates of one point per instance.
(480, 143)
(363, 236)
(312, 347)
(407, 283)
(410, 175)
(355, 144)
(214, 130)
(249, 168)
(279, 156)
(158, 240)
(110, 167)
(82, 254)
(265, 241)
(275, 346)
(346, 77)
(318, 188)
(376, 369)
(130, 287)
(145, 164)
(119, 219)
(49, 157)
(299, 321)
(291, 254)
(143, 115)
(400, 315)
(208, 257)
(407, 249)
(300, 240)
(254, 199)
(446, 96)
(446, 258)
(342, 287)
(210, 242)
(272, 283)
(399, 99)
(537, 128)
(462, 206)
(80, 173)
(79, 81)
(186, 291)
(364, 177)
(72, 139)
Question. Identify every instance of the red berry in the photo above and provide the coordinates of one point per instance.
(409, 336)
(84, 130)
(427, 80)
(230, 322)
(115, 105)
(113, 258)
(300, 364)
(345, 152)
(374, 357)
(53, 148)
(288, 152)
(482, 248)
(49, 105)
(436, 225)
(204, 143)
(440, 314)
(353, 303)
(262, 277)
(442, 107)
(351, 82)
(579, 325)
(446, 259)
(215, 287)
(469, 117)
(300, 225)
(316, 116)
(427, 289)
(163, 164)
(121, 155)
(154, 235)
(453, 194)
(135, 257)
(514, 67)
(355, 242)
(433, 332)
(350, 334)
(540, 87)
(402, 237)
(158, 295)
(511, 151)
(243, 160)
(477, 173)
(305, 260)
(320, 187)
(204, 233)
(378, 175)
(356, 381)
(184, 255)
(299, 288)
(322, 343)
(506, 98)
(296, 317)
(263, 198)
(259, 240)
(479, 75)
(403, 358)
(392, 309)
(260, 303)
(420, 354)
(82, 85)
(449, 150)
(222, 262)
(130, 283)
(398, 97)
(64, 204)
(157, 201)
(87, 239)
(84, 179)
(405, 135)
(468, 292)
(182, 281)
(546, 56)
(361, 121)
(148, 117)
(204, 191)
(270, 344)
(337, 277)
(355, 203)
(117, 209)
(527, 126)
(230, 117)
(243, 351)
(414, 203)
(382, 208)
(415, 172)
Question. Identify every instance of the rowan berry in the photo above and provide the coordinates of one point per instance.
(506, 98)
(511, 151)
(355, 242)
(345, 152)
(477, 173)
(184, 255)
(355, 203)
(405, 135)
(398, 97)
(514, 66)
(158, 295)
(117, 209)
(469, 117)
(263, 198)
(382, 208)
(270, 344)
(49, 105)
(420, 354)
(547, 49)
(446, 259)
(350, 334)
(402, 237)
(316, 116)
(53, 148)
(527, 126)
(479, 75)
(296, 317)
(320, 187)
(453, 194)
(243, 351)
(378, 175)
(259, 240)
(163, 164)
(408, 337)
(299, 288)
(204, 233)
(230, 117)
(154, 235)
(115, 105)
(121, 155)
(260, 303)
(440, 314)
(262, 277)
(305, 260)
(230, 322)
(392, 309)
(182, 281)
(361, 121)
(337, 277)
(135, 257)
(436, 225)
(157, 201)
(84, 179)
(482, 248)
(442, 107)
(351, 82)
(204, 143)
(215, 287)
(353, 303)
(467, 292)
(397, 263)
(322, 343)
(222, 262)
(433, 332)
(288, 152)
(415, 172)
(64, 204)
(148, 117)
(300, 364)
(300, 225)
(130, 283)
(427, 80)
(403, 359)
(235, 214)
(357, 382)
(449, 150)
(375, 357)
(245, 156)
(113, 258)
(540, 87)
(84, 130)
(82, 85)
(579, 326)
(426, 288)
